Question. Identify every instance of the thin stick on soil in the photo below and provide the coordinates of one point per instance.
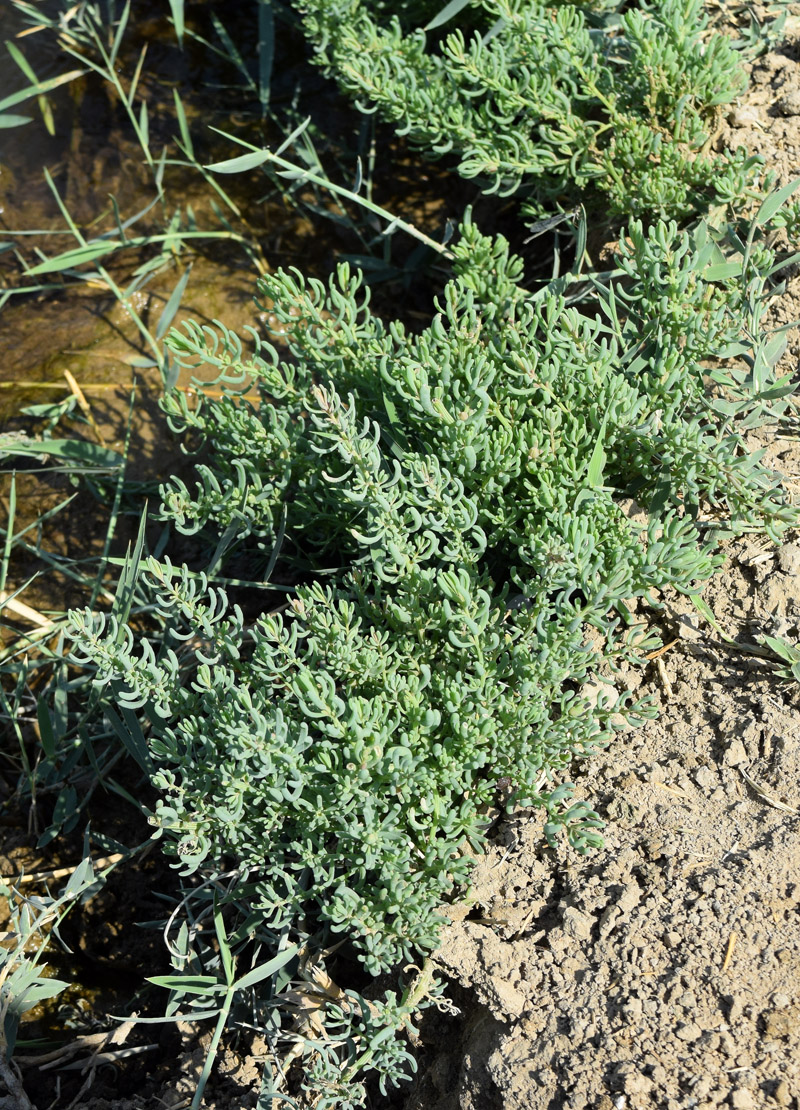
(729, 953)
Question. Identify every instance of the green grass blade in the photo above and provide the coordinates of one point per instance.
(119, 36)
(183, 126)
(188, 984)
(172, 306)
(71, 450)
(68, 260)
(46, 731)
(61, 694)
(123, 601)
(242, 163)
(231, 51)
(176, 7)
(22, 62)
(598, 460)
(264, 971)
(130, 734)
(63, 209)
(144, 125)
(446, 14)
(113, 515)
(772, 203)
(39, 88)
(137, 73)
(9, 541)
(266, 51)
(299, 173)
(228, 964)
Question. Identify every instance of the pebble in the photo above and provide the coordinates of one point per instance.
(689, 1032)
(789, 554)
(736, 753)
(577, 924)
(688, 627)
(777, 1024)
(744, 117)
(706, 778)
(742, 1099)
(789, 105)
(630, 897)
(782, 1094)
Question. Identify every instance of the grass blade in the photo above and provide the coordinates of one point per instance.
(446, 14)
(176, 7)
(183, 126)
(598, 460)
(242, 163)
(172, 306)
(9, 541)
(129, 732)
(46, 731)
(264, 971)
(772, 203)
(266, 51)
(299, 173)
(71, 450)
(121, 609)
(39, 88)
(123, 23)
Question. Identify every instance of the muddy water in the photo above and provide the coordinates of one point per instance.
(93, 156)
(81, 329)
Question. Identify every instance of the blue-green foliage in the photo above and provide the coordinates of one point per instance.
(469, 484)
(548, 98)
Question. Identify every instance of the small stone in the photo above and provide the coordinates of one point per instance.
(687, 625)
(652, 848)
(706, 779)
(578, 925)
(782, 1095)
(671, 939)
(634, 1083)
(789, 105)
(744, 117)
(736, 754)
(789, 554)
(780, 1000)
(630, 897)
(777, 1024)
(742, 1099)
(689, 1032)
